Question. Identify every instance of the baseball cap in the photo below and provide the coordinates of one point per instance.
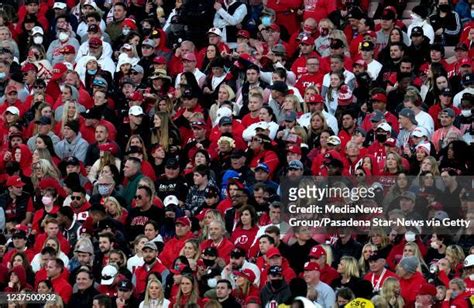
(334, 140)
(148, 42)
(279, 49)
(307, 40)
(289, 116)
(450, 112)
(100, 82)
(159, 60)
(125, 285)
(377, 116)
(59, 5)
(385, 127)
(447, 92)
(13, 110)
(315, 99)
(184, 221)
(225, 121)
(317, 251)
(461, 46)
(360, 62)
(14, 181)
(275, 270)
(95, 42)
(367, 46)
(108, 274)
(37, 30)
(150, 245)
(391, 142)
(215, 31)
(210, 251)
(43, 120)
(379, 97)
(170, 200)
(93, 28)
(189, 57)
(172, 163)
(336, 44)
(237, 252)
(243, 33)
(294, 149)
(311, 266)
(295, 164)
(408, 195)
(417, 31)
(247, 273)
(135, 111)
(273, 252)
(137, 68)
(263, 166)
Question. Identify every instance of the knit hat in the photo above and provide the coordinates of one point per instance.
(421, 11)
(73, 125)
(345, 96)
(409, 264)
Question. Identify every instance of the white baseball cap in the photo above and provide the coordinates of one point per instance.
(171, 199)
(59, 5)
(135, 111)
(13, 110)
(384, 126)
(469, 261)
(108, 275)
(215, 31)
(37, 30)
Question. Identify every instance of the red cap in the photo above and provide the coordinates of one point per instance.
(294, 149)
(332, 154)
(272, 252)
(15, 181)
(311, 266)
(95, 42)
(178, 268)
(58, 71)
(307, 40)
(274, 27)
(29, 67)
(22, 228)
(108, 147)
(465, 61)
(379, 97)
(68, 49)
(246, 273)
(427, 289)
(128, 22)
(391, 142)
(11, 89)
(184, 221)
(159, 60)
(243, 33)
(136, 96)
(317, 251)
(189, 57)
(436, 205)
(361, 63)
(315, 99)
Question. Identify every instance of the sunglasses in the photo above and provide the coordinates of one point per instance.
(38, 87)
(138, 197)
(147, 47)
(135, 73)
(76, 198)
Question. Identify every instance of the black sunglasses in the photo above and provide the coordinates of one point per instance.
(138, 197)
(76, 197)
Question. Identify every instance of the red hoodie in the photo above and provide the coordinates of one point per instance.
(21, 273)
(263, 266)
(172, 248)
(25, 160)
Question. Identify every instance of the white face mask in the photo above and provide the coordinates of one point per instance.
(47, 200)
(125, 31)
(466, 112)
(471, 277)
(63, 36)
(212, 283)
(410, 236)
(38, 40)
(434, 245)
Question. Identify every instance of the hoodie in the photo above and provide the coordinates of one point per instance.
(21, 273)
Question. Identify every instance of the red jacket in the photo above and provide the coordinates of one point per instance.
(286, 13)
(62, 287)
(309, 79)
(396, 253)
(223, 250)
(299, 66)
(7, 257)
(141, 275)
(88, 132)
(318, 9)
(409, 288)
(172, 248)
(436, 109)
(267, 156)
(43, 275)
(460, 301)
(263, 266)
(63, 243)
(328, 274)
(244, 238)
(389, 117)
(247, 120)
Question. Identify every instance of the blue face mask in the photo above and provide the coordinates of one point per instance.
(266, 21)
(472, 14)
(91, 72)
(454, 294)
(103, 189)
(3, 75)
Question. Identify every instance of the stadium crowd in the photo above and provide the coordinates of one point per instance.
(144, 146)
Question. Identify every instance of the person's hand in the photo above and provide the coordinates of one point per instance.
(178, 52)
(393, 301)
(148, 6)
(439, 31)
(312, 295)
(407, 151)
(7, 156)
(299, 12)
(120, 302)
(280, 134)
(206, 90)
(228, 269)
(11, 284)
(217, 6)
(199, 146)
(449, 293)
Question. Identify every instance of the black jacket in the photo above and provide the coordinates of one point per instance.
(83, 299)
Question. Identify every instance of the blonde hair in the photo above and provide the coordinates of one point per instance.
(64, 117)
(417, 251)
(161, 296)
(379, 231)
(205, 228)
(387, 292)
(161, 135)
(350, 266)
(194, 296)
(150, 184)
(195, 245)
(457, 253)
(118, 207)
(127, 147)
(362, 262)
(48, 170)
(229, 90)
(296, 102)
(329, 255)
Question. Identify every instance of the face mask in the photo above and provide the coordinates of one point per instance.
(125, 31)
(472, 14)
(212, 283)
(410, 236)
(266, 21)
(471, 277)
(276, 284)
(146, 31)
(103, 189)
(434, 245)
(38, 40)
(3, 75)
(208, 262)
(63, 36)
(324, 31)
(381, 138)
(168, 222)
(91, 72)
(466, 113)
(47, 200)
(455, 294)
(444, 7)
